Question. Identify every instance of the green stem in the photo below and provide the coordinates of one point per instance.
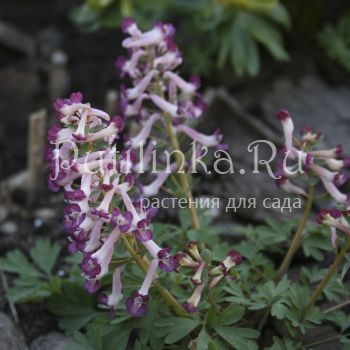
(169, 299)
(183, 176)
(264, 318)
(294, 246)
(334, 267)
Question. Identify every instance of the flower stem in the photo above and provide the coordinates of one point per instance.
(297, 237)
(183, 176)
(179, 161)
(169, 299)
(334, 267)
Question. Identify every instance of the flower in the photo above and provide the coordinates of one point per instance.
(114, 298)
(158, 98)
(136, 303)
(325, 164)
(191, 304)
(97, 183)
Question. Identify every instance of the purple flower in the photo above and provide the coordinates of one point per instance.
(191, 305)
(129, 26)
(73, 217)
(143, 233)
(288, 127)
(166, 261)
(90, 266)
(340, 179)
(197, 277)
(192, 247)
(136, 304)
(114, 298)
(92, 286)
(122, 220)
(52, 133)
(334, 218)
(205, 140)
(96, 265)
(74, 196)
(183, 259)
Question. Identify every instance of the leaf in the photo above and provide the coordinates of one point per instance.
(341, 319)
(36, 291)
(203, 340)
(316, 244)
(74, 307)
(16, 262)
(244, 54)
(45, 254)
(224, 52)
(239, 338)
(117, 339)
(280, 15)
(232, 314)
(267, 35)
(285, 344)
(279, 309)
(75, 323)
(176, 328)
(79, 342)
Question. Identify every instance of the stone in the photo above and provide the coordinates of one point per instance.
(8, 228)
(45, 214)
(11, 337)
(50, 341)
(240, 129)
(311, 102)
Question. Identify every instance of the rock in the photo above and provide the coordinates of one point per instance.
(17, 181)
(8, 228)
(45, 214)
(3, 213)
(11, 337)
(317, 334)
(50, 341)
(242, 129)
(314, 103)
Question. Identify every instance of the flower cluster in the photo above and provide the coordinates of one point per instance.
(326, 165)
(159, 98)
(84, 161)
(195, 262)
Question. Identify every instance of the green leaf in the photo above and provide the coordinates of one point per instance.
(267, 35)
(176, 328)
(36, 291)
(117, 339)
(280, 15)
(45, 254)
(244, 54)
(203, 340)
(75, 323)
(232, 314)
(16, 262)
(74, 307)
(285, 344)
(239, 338)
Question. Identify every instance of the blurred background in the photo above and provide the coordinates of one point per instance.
(253, 56)
(245, 46)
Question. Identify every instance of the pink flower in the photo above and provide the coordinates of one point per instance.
(191, 304)
(136, 304)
